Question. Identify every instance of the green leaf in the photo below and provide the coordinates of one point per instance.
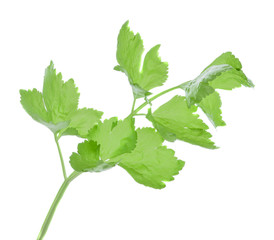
(82, 121)
(87, 158)
(175, 120)
(199, 88)
(129, 52)
(114, 137)
(223, 73)
(150, 163)
(61, 99)
(211, 106)
(154, 71)
(230, 79)
(164, 131)
(57, 107)
(32, 102)
(129, 55)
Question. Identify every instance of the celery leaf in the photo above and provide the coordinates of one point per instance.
(151, 163)
(175, 120)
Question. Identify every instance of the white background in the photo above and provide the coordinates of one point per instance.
(220, 194)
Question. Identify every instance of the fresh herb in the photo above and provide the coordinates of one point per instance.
(115, 142)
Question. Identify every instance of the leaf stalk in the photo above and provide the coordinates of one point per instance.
(61, 156)
(54, 205)
(153, 98)
(133, 105)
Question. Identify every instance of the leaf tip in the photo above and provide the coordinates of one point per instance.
(251, 84)
(117, 68)
(22, 91)
(51, 64)
(126, 23)
(181, 164)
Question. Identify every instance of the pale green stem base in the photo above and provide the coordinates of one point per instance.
(54, 205)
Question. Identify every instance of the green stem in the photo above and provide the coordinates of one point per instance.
(153, 98)
(54, 205)
(133, 105)
(61, 156)
(139, 114)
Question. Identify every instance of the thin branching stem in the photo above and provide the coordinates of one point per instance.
(139, 114)
(61, 156)
(153, 98)
(133, 105)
